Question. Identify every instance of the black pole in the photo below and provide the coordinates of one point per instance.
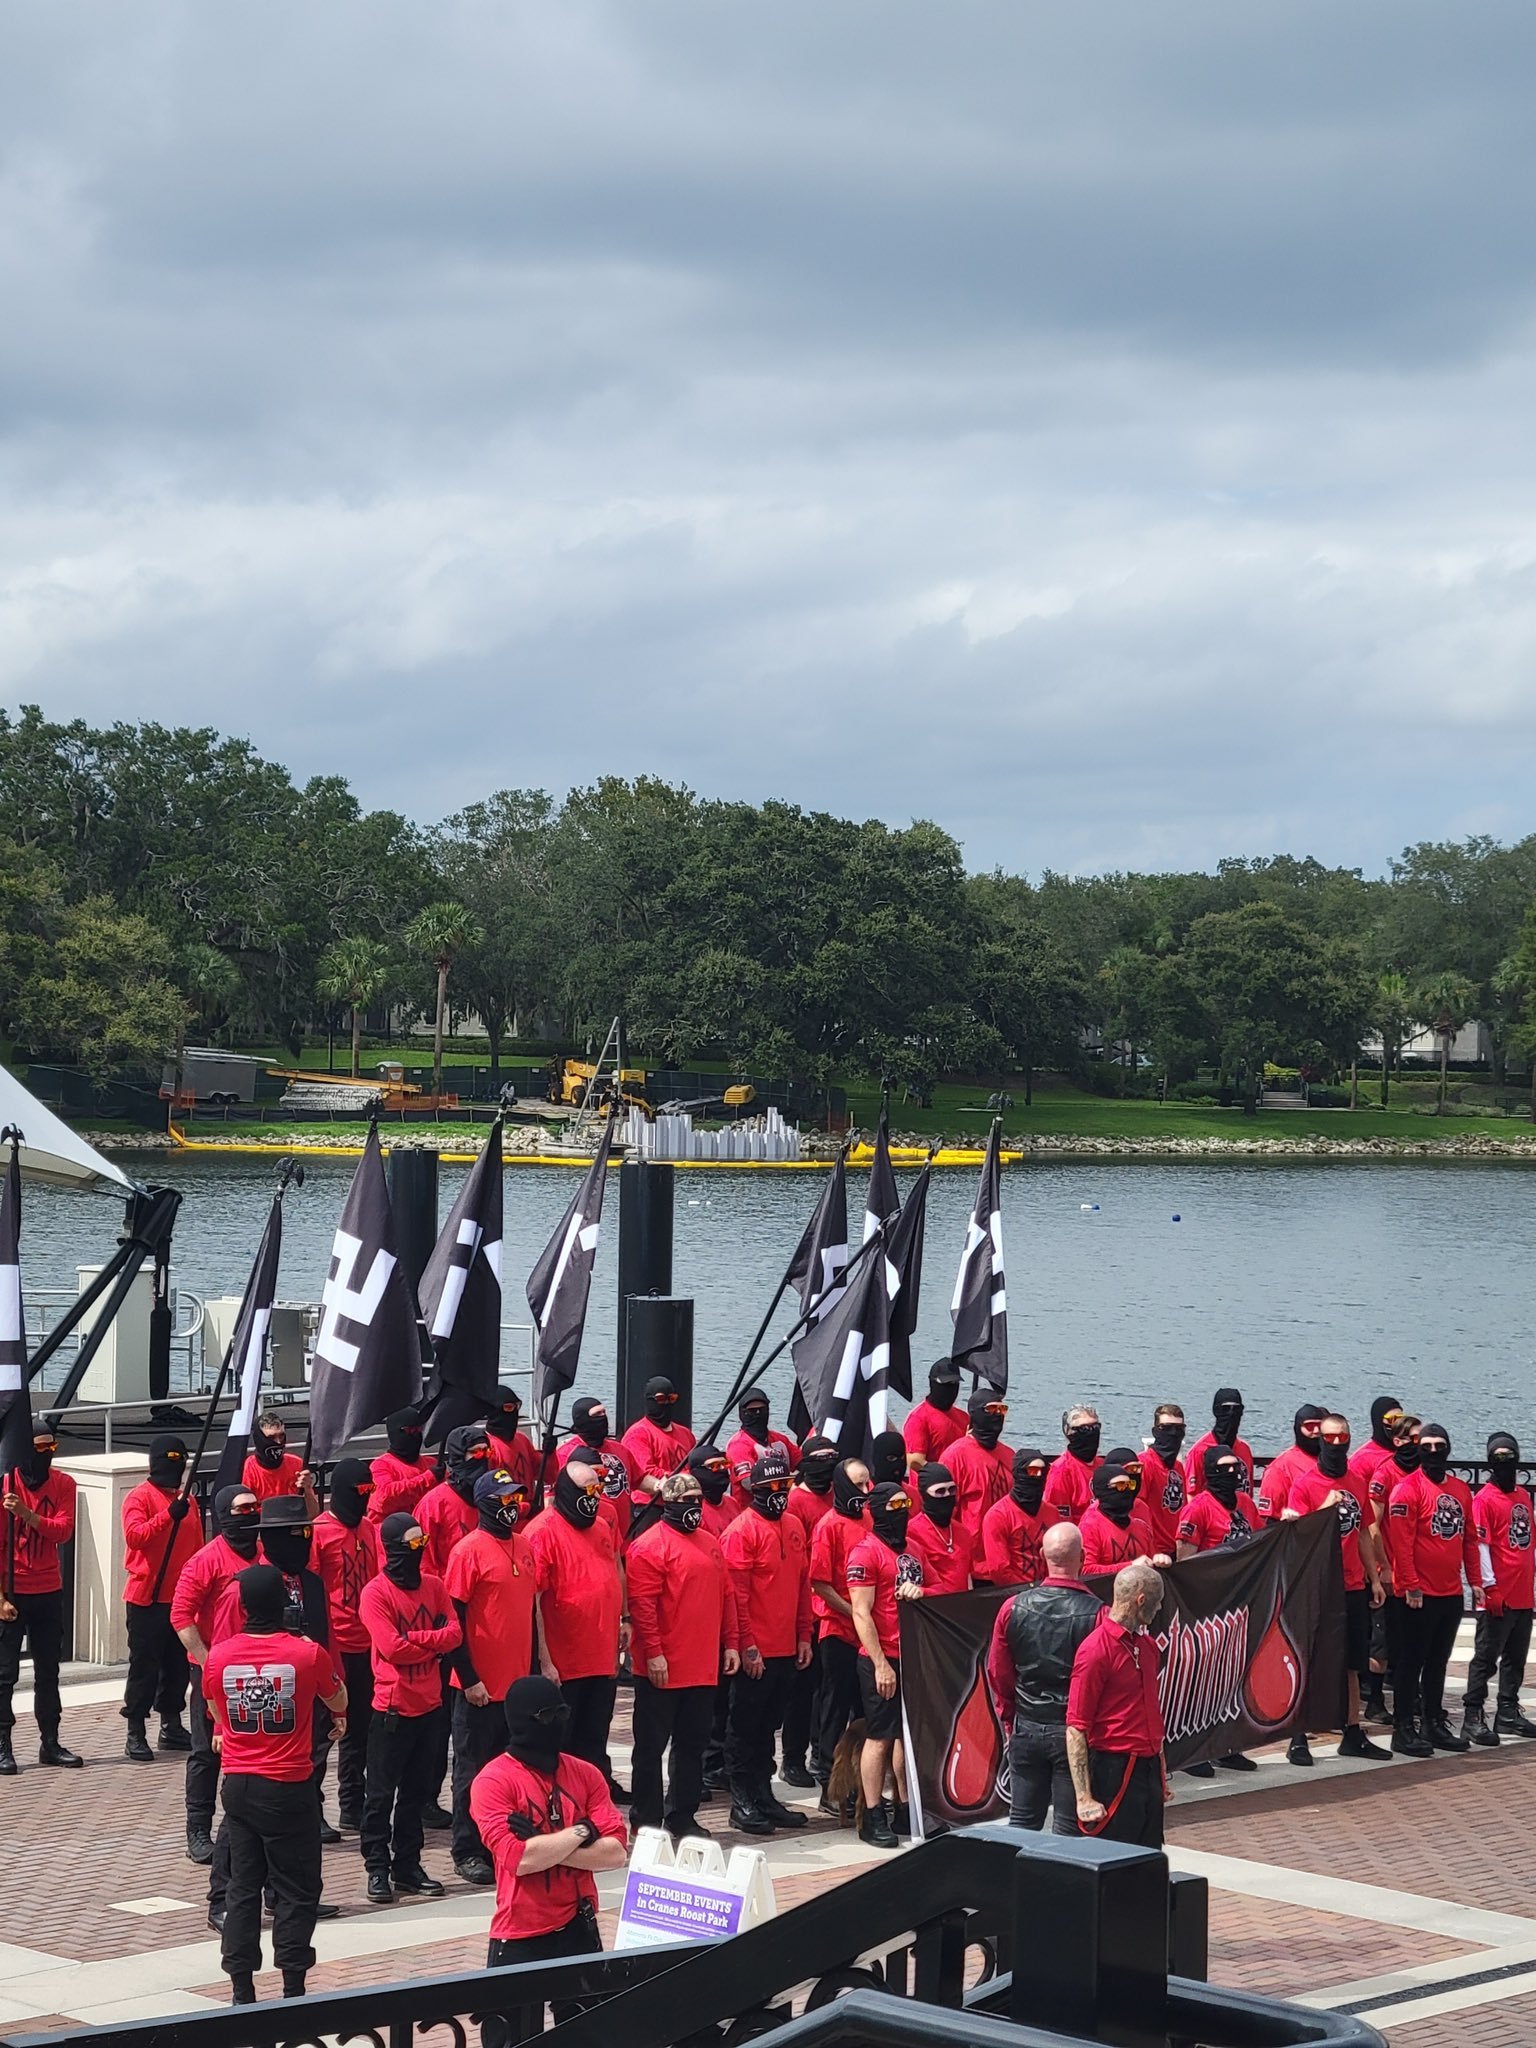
(80, 1308)
(151, 1217)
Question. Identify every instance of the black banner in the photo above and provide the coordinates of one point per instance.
(1251, 1643)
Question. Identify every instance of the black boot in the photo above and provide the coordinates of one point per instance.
(172, 1735)
(51, 1751)
(293, 1983)
(794, 1773)
(775, 1810)
(328, 1834)
(1355, 1742)
(241, 1990)
(1510, 1721)
(1407, 1741)
(1474, 1725)
(7, 1755)
(1443, 1736)
(199, 1843)
(136, 1748)
(745, 1815)
(1376, 1709)
(875, 1828)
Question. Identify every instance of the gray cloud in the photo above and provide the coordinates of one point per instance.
(1104, 430)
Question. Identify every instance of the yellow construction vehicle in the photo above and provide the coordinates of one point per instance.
(577, 1078)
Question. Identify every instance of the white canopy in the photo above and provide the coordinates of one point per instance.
(50, 1150)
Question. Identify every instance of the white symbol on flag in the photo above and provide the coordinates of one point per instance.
(343, 1303)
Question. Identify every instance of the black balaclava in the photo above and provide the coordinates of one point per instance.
(287, 1539)
(716, 1484)
(660, 1401)
(36, 1461)
(1226, 1414)
(1405, 1455)
(1225, 1482)
(264, 1598)
(987, 1429)
(1381, 1430)
(589, 1419)
(941, 1510)
(890, 1509)
(505, 1412)
(818, 1461)
(848, 1499)
(1307, 1412)
(768, 1488)
(499, 1503)
(270, 1451)
(943, 1384)
(888, 1459)
(167, 1462)
(238, 1530)
(403, 1429)
(1115, 1490)
(753, 1414)
(1433, 1465)
(1083, 1441)
(351, 1484)
(403, 1543)
(1332, 1458)
(464, 1467)
(683, 1515)
(1029, 1487)
(537, 1720)
(572, 1500)
(1168, 1438)
(1503, 1460)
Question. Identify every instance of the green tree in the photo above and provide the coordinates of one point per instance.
(103, 994)
(1445, 1002)
(355, 972)
(440, 932)
(497, 859)
(1393, 1015)
(1515, 979)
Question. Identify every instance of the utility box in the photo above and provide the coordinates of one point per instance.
(120, 1369)
(285, 1339)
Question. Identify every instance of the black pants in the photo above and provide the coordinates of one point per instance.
(1138, 1818)
(352, 1750)
(757, 1708)
(202, 1762)
(1038, 1777)
(1422, 1640)
(800, 1712)
(1503, 1644)
(680, 1716)
(402, 1753)
(479, 1733)
(274, 1845)
(838, 1701)
(591, 1703)
(157, 1665)
(444, 1728)
(719, 1724)
(578, 1937)
(40, 1620)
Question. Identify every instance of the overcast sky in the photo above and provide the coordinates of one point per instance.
(1107, 430)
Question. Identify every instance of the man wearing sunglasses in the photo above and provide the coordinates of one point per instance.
(1299, 1456)
(766, 1553)
(658, 1444)
(1012, 1528)
(935, 1538)
(1117, 1529)
(511, 1449)
(581, 1600)
(1334, 1483)
(1432, 1540)
(981, 1464)
(345, 1555)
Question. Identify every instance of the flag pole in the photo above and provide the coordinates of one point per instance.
(288, 1170)
(8, 1586)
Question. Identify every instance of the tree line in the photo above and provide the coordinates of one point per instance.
(157, 882)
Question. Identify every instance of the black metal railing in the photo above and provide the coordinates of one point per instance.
(988, 1935)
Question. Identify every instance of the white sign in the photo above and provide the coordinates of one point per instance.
(691, 1892)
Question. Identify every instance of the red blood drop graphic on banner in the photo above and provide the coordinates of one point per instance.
(1272, 1690)
(975, 1751)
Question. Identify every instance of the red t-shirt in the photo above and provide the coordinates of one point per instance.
(743, 1452)
(874, 1563)
(944, 1554)
(1432, 1535)
(268, 1481)
(809, 1507)
(654, 1453)
(718, 1517)
(1369, 1459)
(549, 1899)
(147, 1526)
(832, 1540)
(1163, 1494)
(930, 1431)
(1069, 1485)
(773, 1588)
(514, 1454)
(345, 1559)
(398, 1485)
(1309, 1490)
(261, 1690)
(1106, 1546)
(495, 1579)
(1010, 1542)
(37, 1550)
(444, 1518)
(1194, 1462)
(206, 1596)
(1504, 1526)
(682, 1605)
(1280, 1475)
(1210, 1526)
(981, 1477)
(621, 1476)
(1112, 1699)
(408, 1632)
(580, 1599)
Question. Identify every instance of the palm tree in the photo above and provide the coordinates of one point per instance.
(1392, 1014)
(1445, 1001)
(442, 931)
(353, 971)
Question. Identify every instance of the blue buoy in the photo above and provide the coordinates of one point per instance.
(1089, 1208)
(1178, 1219)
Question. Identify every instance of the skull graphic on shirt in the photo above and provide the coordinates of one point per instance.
(1519, 1537)
(1349, 1513)
(909, 1570)
(1447, 1521)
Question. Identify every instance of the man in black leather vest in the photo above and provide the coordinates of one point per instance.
(1029, 1669)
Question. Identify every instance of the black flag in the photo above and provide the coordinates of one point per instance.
(15, 1400)
(247, 1357)
(980, 1304)
(821, 1258)
(882, 1204)
(367, 1355)
(559, 1283)
(904, 1260)
(461, 1295)
(842, 1365)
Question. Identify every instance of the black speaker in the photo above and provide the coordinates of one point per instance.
(413, 1201)
(645, 1246)
(659, 1332)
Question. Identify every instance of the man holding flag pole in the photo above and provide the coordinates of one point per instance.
(558, 1288)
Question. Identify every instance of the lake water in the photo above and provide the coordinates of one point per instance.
(1315, 1281)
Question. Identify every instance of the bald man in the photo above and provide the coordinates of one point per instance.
(1029, 1669)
